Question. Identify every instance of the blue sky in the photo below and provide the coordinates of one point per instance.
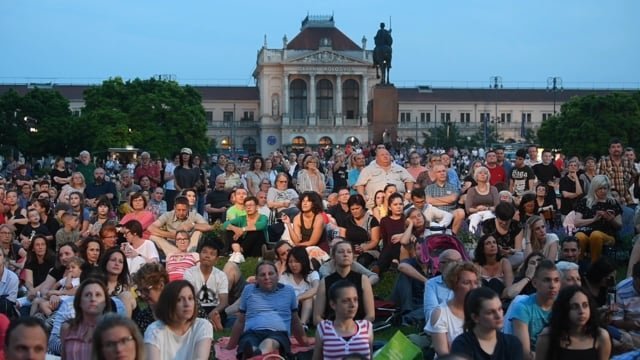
(588, 43)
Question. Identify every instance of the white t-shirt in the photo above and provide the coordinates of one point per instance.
(168, 169)
(148, 250)
(446, 323)
(172, 346)
(216, 284)
(303, 286)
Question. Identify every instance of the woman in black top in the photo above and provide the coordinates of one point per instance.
(342, 254)
(573, 331)
(60, 176)
(362, 230)
(40, 259)
(483, 319)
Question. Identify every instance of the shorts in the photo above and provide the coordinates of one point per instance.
(255, 337)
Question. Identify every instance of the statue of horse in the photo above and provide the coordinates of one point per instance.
(382, 63)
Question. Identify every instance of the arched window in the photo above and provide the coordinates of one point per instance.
(298, 142)
(351, 99)
(249, 144)
(325, 141)
(225, 143)
(324, 99)
(298, 99)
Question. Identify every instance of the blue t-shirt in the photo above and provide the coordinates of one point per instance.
(529, 312)
(268, 310)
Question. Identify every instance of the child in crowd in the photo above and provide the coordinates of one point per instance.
(69, 232)
(343, 336)
(32, 228)
(64, 289)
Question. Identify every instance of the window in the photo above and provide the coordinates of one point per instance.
(227, 116)
(298, 142)
(425, 117)
(526, 117)
(325, 141)
(505, 117)
(76, 112)
(465, 117)
(351, 99)
(298, 99)
(324, 99)
(445, 117)
(247, 116)
(546, 116)
(405, 117)
(209, 116)
(485, 116)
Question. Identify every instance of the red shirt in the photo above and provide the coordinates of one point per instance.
(497, 175)
(151, 170)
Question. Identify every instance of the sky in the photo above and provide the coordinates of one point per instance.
(455, 43)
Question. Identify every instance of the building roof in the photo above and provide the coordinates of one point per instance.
(76, 92)
(315, 29)
(428, 94)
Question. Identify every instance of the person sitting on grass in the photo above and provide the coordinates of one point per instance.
(64, 289)
(304, 281)
(447, 319)
(343, 336)
(249, 231)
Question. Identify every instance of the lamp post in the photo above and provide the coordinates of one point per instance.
(554, 84)
(416, 131)
(496, 83)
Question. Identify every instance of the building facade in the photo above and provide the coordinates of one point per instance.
(317, 88)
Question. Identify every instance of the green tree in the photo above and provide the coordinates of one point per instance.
(159, 116)
(38, 123)
(443, 136)
(586, 124)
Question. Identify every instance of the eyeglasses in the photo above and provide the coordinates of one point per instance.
(182, 239)
(113, 345)
(5, 232)
(282, 181)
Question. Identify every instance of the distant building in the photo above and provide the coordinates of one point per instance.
(316, 90)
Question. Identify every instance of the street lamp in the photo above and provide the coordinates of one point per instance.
(31, 124)
(554, 84)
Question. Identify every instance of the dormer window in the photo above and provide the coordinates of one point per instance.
(325, 42)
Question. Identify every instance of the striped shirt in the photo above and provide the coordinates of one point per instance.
(627, 301)
(337, 347)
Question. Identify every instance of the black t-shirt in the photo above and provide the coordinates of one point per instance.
(57, 173)
(340, 177)
(567, 205)
(503, 240)
(521, 177)
(356, 234)
(341, 216)
(40, 271)
(57, 272)
(589, 213)
(30, 231)
(546, 173)
(217, 199)
(508, 347)
(186, 178)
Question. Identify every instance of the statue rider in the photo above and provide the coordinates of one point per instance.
(383, 38)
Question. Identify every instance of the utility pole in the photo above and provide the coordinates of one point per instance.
(554, 84)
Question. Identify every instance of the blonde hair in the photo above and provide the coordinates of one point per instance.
(453, 275)
(528, 232)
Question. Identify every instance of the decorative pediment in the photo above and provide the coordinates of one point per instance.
(324, 57)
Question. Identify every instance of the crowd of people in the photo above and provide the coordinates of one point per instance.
(122, 261)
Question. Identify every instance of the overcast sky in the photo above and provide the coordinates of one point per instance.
(588, 43)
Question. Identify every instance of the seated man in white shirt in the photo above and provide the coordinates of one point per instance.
(211, 284)
(435, 216)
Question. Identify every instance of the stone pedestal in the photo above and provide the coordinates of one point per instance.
(385, 113)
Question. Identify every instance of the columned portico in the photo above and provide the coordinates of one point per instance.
(364, 98)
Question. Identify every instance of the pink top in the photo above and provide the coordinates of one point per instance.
(145, 217)
(336, 347)
(77, 343)
(178, 263)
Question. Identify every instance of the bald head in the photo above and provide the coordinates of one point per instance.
(447, 259)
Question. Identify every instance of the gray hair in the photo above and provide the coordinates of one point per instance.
(479, 170)
(598, 182)
(565, 266)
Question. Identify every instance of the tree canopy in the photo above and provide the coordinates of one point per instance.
(586, 124)
(156, 115)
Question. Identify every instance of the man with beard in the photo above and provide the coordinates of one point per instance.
(85, 166)
(126, 186)
(496, 171)
(100, 187)
(180, 218)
